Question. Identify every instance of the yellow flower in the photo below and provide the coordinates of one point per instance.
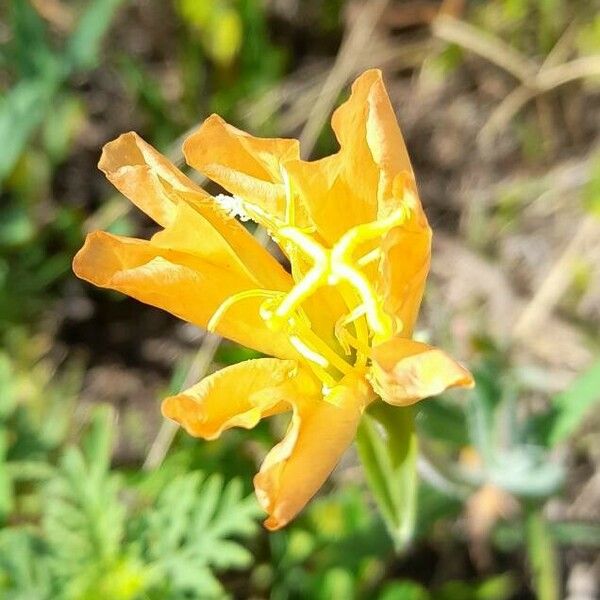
(339, 324)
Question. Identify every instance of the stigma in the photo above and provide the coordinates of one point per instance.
(343, 267)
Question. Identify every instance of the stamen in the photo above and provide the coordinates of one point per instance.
(342, 322)
(378, 321)
(356, 344)
(334, 359)
(316, 363)
(227, 304)
(235, 206)
(360, 327)
(307, 352)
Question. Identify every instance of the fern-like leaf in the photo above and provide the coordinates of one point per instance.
(195, 527)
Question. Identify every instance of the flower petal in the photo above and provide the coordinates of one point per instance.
(333, 194)
(405, 371)
(183, 284)
(355, 185)
(404, 268)
(319, 433)
(202, 232)
(146, 177)
(237, 396)
(246, 166)
(193, 221)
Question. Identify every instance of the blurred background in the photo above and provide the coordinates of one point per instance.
(499, 103)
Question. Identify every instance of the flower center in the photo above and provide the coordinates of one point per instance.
(342, 267)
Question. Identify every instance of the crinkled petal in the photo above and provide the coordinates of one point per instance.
(355, 185)
(336, 197)
(405, 371)
(191, 217)
(146, 177)
(406, 257)
(246, 166)
(220, 242)
(183, 284)
(319, 433)
(237, 396)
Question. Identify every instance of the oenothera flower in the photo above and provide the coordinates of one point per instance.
(338, 324)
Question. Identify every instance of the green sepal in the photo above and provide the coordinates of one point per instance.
(387, 446)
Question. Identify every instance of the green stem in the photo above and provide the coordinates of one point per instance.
(543, 558)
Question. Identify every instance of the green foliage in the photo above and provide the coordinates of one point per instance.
(192, 531)
(387, 446)
(533, 26)
(95, 541)
(24, 565)
(570, 408)
(83, 520)
(591, 192)
(36, 247)
(510, 460)
(219, 26)
(542, 557)
(75, 525)
(338, 549)
(83, 48)
(500, 587)
(43, 71)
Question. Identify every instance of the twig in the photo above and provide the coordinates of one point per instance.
(353, 46)
(504, 112)
(166, 434)
(535, 80)
(556, 282)
(485, 45)
(580, 68)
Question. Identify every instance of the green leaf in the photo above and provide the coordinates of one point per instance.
(6, 483)
(488, 395)
(224, 37)
(387, 446)
(22, 111)
(59, 132)
(440, 420)
(28, 51)
(24, 569)
(508, 536)
(84, 45)
(337, 584)
(573, 405)
(83, 519)
(404, 590)
(195, 526)
(500, 587)
(576, 534)
(526, 471)
(543, 560)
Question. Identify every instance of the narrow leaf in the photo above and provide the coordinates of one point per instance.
(387, 446)
(542, 557)
(22, 110)
(573, 405)
(83, 47)
(6, 484)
